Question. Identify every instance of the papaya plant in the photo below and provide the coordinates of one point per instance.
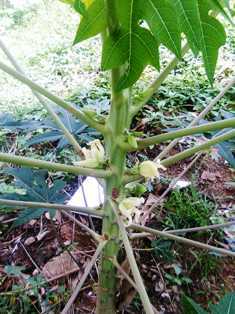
(131, 32)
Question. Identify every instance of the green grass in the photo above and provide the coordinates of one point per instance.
(188, 209)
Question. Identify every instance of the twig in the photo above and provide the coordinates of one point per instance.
(139, 235)
(83, 279)
(58, 237)
(187, 153)
(95, 235)
(122, 271)
(198, 148)
(180, 133)
(30, 257)
(183, 240)
(183, 231)
(135, 271)
(199, 117)
(205, 228)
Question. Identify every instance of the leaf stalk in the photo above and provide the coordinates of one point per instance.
(52, 166)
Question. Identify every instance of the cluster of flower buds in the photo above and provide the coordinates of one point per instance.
(129, 208)
(94, 157)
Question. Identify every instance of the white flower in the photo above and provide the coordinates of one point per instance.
(150, 169)
(129, 208)
(94, 157)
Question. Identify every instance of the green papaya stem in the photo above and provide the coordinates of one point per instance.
(184, 241)
(116, 125)
(69, 136)
(52, 166)
(208, 127)
(57, 100)
(81, 210)
(185, 154)
(199, 148)
(157, 139)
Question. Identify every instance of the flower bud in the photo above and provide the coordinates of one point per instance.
(149, 169)
(94, 157)
(97, 151)
(129, 207)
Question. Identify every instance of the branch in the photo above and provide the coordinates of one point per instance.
(183, 240)
(94, 235)
(80, 210)
(63, 208)
(199, 117)
(135, 271)
(83, 279)
(183, 155)
(69, 136)
(186, 230)
(191, 151)
(125, 275)
(141, 100)
(52, 166)
(212, 126)
(60, 102)
(199, 229)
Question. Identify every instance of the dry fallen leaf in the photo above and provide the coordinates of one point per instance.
(210, 176)
(59, 265)
(29, 241)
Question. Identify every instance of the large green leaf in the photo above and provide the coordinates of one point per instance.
(93, 23)
(212, 37)
(200, 29)
(189, 20)
(80, 7)
(144, 25)
(51, 132)
(191, 307)
(136, 48)
(36, 190)
(160, 16)
(226, 305)
(133, 45)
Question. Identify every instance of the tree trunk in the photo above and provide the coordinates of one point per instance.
(117, 124)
